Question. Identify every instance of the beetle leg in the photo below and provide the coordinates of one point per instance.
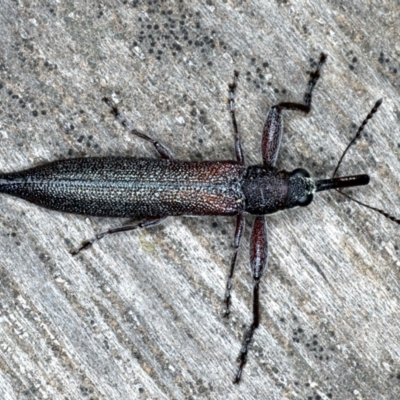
(272, 136)
(162, 150)
(240, 226)
(232, 109)
(258, 262)
(144, 224)
(272, 130)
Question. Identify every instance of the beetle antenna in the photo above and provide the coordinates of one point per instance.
(358, 133)
(356, 136)
(384, 213)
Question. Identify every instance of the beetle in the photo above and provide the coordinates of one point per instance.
(154, 189)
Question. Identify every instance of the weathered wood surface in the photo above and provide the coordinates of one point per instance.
(139, 314)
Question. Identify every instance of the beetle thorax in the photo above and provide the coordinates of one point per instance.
(265, 190)
(268, 190)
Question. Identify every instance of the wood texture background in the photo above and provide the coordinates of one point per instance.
(138, 316)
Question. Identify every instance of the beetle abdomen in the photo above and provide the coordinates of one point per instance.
(131, 187)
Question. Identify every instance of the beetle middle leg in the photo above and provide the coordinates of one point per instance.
(240, 220)
(232, 109)
(240, 225)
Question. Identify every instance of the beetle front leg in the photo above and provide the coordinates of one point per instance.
(273, 127)
(258, 262)
(162, 150)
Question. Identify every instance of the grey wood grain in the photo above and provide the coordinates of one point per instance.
(138, 316)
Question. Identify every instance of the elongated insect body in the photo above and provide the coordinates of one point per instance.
(153, 189)
(135, 187)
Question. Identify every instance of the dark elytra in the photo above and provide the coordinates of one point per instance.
(155, 189)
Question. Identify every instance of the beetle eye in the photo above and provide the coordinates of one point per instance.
(300, 172)
(301, 193)
(305, 200)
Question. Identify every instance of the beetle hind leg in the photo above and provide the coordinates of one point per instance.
(162, 150)
(144, 224)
